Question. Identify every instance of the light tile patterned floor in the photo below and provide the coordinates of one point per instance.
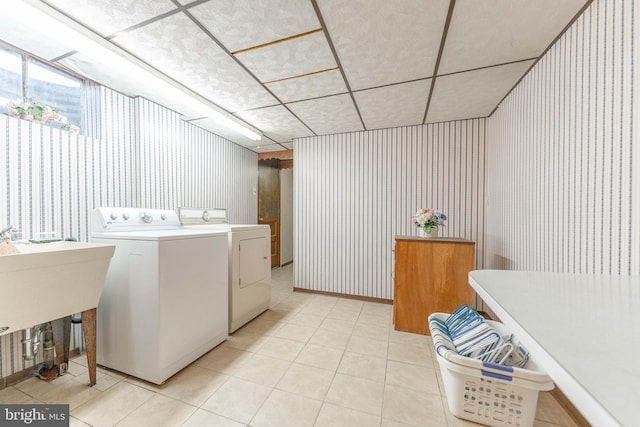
(311, 360)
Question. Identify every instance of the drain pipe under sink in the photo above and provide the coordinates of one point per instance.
(31, 341)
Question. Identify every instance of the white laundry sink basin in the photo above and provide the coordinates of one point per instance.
(47, 281)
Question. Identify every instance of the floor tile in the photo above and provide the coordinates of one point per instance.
(281, 348)
(237, 399)
(202, 418)
(330, 338)
(549, 410)
(356, 393)
(194, 385)
(72, 393)
(338, 325)
(306, 320)
(333, 415)
(263, 370)
(284, 409)
(261, 326)
(362, 366)
(320, 356)
(368, 346)
(343, 314)
(416, 377)
(113, 406)
(306, 381)
(74, 422)
(246, 341)
(158, 411)
(367, 330)
(224, 359)
(14, 395)
(407, 406)
(408, 338)
(296, 332)
(349, 305)
(35, 387)
(410, 354)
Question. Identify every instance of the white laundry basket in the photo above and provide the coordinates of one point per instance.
(487, 393)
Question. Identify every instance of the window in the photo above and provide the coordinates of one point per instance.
(47, 85)
(57, 89)
(10, 76)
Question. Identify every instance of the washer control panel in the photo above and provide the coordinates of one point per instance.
(122, 219)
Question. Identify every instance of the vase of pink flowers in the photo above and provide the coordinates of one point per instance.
(428, 221)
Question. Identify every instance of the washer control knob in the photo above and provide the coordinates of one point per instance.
(163, 216)
(113, 216)
(205, 216)
(146, 217)
(125, 216)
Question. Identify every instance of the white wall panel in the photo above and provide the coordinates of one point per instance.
(561, 154)
(355, 192)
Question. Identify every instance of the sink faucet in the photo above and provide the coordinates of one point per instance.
(5, 233)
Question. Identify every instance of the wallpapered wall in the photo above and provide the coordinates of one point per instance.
(562, 190)
(355, 192)
(547, 186)
(141, 155)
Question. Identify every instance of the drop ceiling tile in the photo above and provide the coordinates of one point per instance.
(333, 114)
(484, 33)
(393, 106)
(110, 16)
(381, 42)
(294, 57)
(474, 93)
(276, 122)
(288, 145)
(246, 23)
(309, 86)
(181, 50)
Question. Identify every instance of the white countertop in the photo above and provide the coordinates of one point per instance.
(584, 330)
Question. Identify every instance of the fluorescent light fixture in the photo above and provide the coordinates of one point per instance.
(30, 13)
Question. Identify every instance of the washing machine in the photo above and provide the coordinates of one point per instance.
(165, 298)
(249, 262)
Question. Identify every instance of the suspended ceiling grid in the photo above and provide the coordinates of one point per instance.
(296, 68)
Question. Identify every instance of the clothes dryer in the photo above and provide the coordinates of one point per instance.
(165, 298)
(249, 262)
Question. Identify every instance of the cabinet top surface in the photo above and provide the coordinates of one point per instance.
(434, 240)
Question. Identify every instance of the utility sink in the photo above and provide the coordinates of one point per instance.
(47, 281)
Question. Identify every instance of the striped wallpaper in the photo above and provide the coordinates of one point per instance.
(139, 154)
(355, 192)
(562, 192)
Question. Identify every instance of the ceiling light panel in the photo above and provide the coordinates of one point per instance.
(333, 114)
(381, 42)
(393, 106)
(290, 58)
(474, 93)
(494, 32)
(180, 49)
(309, 86)
(276, 122)
(35, 41)
(223, 131)
(110, 16)
(241, 24)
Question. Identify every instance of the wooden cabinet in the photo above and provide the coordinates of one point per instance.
(431, 275)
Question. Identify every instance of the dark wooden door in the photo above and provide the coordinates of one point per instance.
(269, 203)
